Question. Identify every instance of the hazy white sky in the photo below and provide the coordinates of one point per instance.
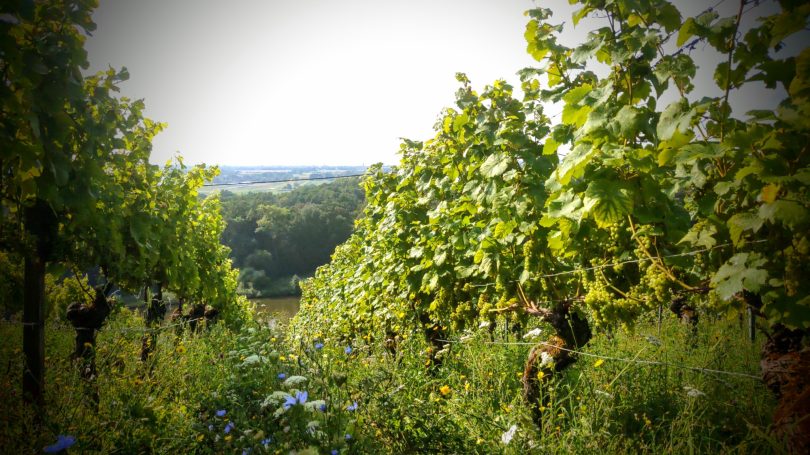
(303, 81)
(331, 82)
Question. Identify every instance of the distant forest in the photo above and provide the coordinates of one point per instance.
(278, 238)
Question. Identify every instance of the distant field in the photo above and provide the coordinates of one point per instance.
(230, 177)
(261, 187)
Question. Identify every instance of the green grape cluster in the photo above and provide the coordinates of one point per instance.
(528, 254)
(656, 285)
(599, 300)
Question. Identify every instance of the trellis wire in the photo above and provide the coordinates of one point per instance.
(619, 359)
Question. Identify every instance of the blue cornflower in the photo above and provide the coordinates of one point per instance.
(322, 407)
(348, 349)
(62, 443)
(221, 413)
(266, 441)
(318, 345)
(282, 375)
(352, 407)
(300, 398)
(334, 452)
(229, 427)
(348, 436)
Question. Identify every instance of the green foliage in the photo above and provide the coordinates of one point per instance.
(11, 275)
(466, 407)
(276, 236)
(74, 149)
(652, 200)
(61, 293)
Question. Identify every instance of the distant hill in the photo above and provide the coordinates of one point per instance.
(277, 179)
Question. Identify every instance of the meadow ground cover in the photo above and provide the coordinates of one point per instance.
(261, 391)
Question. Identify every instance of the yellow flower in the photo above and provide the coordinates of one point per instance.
(273, 340)
(228, 438)
(445, 390)
(466, 386)
(282, 358)
(180, 349)
(598, 363)
(540, 375)
(479, 441)
(200, 437)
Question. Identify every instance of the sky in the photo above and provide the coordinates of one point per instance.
(303, 82)
(315, 82)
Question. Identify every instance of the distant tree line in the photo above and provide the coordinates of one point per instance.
(277, 238)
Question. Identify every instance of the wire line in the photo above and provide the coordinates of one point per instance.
(256, 182)
(620, 359)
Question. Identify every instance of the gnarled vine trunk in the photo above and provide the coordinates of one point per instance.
(436, 338)
(786, 372)
(155, 312)
(86, 321)
(572, 331)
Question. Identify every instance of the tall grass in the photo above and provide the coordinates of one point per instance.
(467, 405)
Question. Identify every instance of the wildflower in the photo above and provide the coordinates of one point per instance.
(282, 376)
(200, 437)
(318, 345)
(483, 324)
(444, 390)
(221, 413)
(540, 375)
(322, 407)
(507, 436)
(228, 438)
(228, 427)
(598, 363)
(348, 436)
(211, 427)
(546, 359)
(62, 443)
(693, 392)
(603, 393)
(334, 452)
(349, 349)
(180, 349)
(534, 333)
(300, 398)
(266, 441)
(282, 358)
(352, 407)
(466, 386)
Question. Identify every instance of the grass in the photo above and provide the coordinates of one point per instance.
(467, 405)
